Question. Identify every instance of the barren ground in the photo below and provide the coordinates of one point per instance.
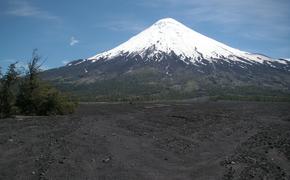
(201, 140)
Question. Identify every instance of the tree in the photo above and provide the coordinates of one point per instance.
(0, 74)
(28, 87)
(7, 97)
(37, 97)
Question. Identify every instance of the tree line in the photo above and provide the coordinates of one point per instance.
(26, 94)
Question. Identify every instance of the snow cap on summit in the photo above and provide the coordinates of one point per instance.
(168, 35)
(166, 21)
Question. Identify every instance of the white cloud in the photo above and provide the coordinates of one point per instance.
(73, 41)
(20, 65)
(65, 62)
(45, 67)
(25, 9)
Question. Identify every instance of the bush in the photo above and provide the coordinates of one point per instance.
(43, 100)
(36, 97)
(7, 97)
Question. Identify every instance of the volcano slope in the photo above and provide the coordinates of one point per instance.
(176, 140)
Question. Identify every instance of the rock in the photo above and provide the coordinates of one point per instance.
(107, 159)
(60, 162)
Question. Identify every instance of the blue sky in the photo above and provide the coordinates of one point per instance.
(67, 30)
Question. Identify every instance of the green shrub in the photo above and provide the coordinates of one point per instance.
(36, 97)
(7, 97)
(43, 100)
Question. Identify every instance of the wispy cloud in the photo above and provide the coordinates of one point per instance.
(6, 62)
(26, 9)
(65, 62)
(264, 13)
(73, 41)
(260, 18)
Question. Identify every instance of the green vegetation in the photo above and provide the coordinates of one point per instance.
(106, 81)
(42, 99)
(249, 93)
(140, 89)
(126, 90)
(7, 97)
(34, 96)
(132, 88)
(252, 98)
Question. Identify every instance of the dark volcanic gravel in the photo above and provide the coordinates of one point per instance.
(205, 140)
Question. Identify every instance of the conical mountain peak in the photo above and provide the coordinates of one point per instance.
(166, 22)
(169, 58)
(168, 35)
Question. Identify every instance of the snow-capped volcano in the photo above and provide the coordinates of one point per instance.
(168, 35)
(169, 59)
